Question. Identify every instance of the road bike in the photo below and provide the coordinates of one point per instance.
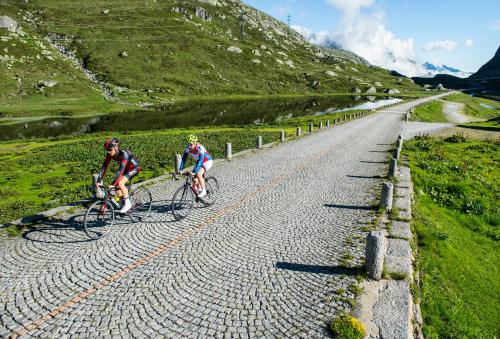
(186, 195)
(101, 213)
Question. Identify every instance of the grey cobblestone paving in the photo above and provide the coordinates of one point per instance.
(261, 262)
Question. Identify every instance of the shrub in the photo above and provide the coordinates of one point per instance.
(456, 138)
(348, 327)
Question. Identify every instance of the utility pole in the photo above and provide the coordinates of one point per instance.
(242, 27)
(288, 20)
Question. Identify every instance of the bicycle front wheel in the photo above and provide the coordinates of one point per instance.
(212, 186)
(142, 201)
(98, 219)
(182, 202)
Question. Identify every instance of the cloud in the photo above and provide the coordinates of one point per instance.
(469, 42)
(283, 8)
(447, 45)
(366, 35)
(350, 7)
(495, 25)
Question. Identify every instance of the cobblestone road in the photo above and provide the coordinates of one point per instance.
(264, 261)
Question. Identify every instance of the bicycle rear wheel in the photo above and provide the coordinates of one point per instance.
(182, 202)
(98, 219)
(142, 201)
(212, 186)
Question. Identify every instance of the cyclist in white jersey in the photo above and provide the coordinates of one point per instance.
(203, 160)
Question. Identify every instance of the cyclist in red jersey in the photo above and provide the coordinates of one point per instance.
(129, 168)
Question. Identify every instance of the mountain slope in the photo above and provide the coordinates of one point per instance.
(489, 69)
(149, 51)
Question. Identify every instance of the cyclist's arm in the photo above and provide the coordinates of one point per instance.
(104, 168)
(121, 170)
(184, 158)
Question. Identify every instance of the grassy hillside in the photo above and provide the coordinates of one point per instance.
(157, 51)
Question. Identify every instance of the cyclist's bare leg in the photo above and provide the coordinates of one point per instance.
(122, 190)
(200, 179)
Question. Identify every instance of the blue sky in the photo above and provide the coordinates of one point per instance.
(434, 31)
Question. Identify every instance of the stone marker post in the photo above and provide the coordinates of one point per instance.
(310, 128)
(376, 244)
(386, 198)
(406, 117)
(258, 142)
(282, 136)
(298, 131)
(321, 125)
(397, 152)
(334, 121)
(328, 123)
(229, 151)
(393, 165)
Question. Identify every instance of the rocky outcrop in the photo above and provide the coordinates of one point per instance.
(371, 90)
(201, 13)
(10, 24)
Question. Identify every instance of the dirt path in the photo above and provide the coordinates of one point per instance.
(453, 112)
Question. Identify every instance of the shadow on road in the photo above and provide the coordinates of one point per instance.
(350, 207)
(386, 151)
(58, 231)
(373, 162)
(365, 177)
(318, 269)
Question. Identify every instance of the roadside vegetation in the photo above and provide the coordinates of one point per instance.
(429, 112)
(481, 108)
(457, 215)
(476, 106)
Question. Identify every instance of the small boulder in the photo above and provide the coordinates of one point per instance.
(55, 124)
(234, 49)
(105, 11)
(47, 83)
(123, 54)
(255, 61)
(392, 91)
(377, 84)
(371, 90)
(331, 73)
(356, 90)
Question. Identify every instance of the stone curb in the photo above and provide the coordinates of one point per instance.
(387, 308)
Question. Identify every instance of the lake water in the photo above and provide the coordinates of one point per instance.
(193, 114)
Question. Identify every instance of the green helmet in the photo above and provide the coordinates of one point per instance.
(192, 139)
